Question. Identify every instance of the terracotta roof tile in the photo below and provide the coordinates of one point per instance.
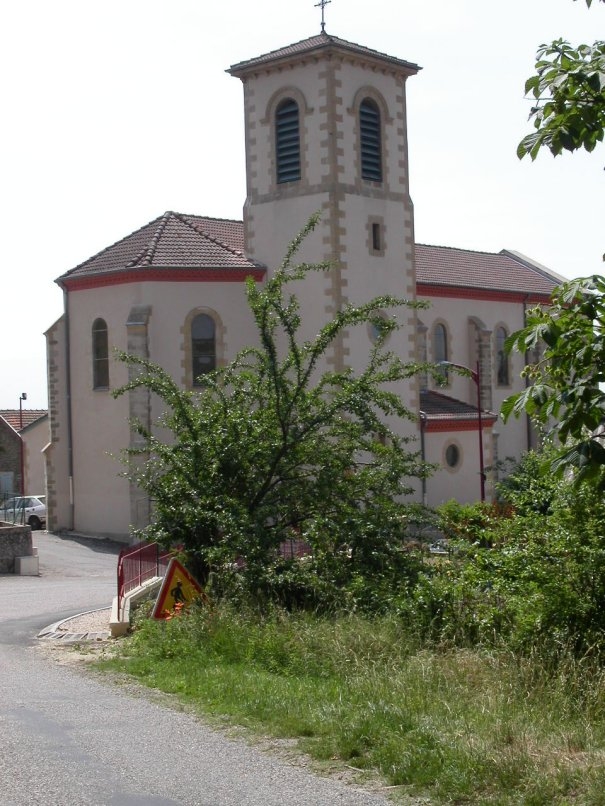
(505, 270)
(172, 241)
(438, 406)
(29, 416)
(322, 41)
(175, 240)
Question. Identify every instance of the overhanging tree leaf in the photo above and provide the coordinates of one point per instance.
(568, 98)
(567, 378)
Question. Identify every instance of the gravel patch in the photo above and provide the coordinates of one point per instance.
(90, 626)
(95, 621)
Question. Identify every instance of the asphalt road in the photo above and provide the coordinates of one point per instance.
(68, 739)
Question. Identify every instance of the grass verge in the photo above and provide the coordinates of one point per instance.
(456, 726)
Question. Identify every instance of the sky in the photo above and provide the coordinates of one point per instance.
(116, 111)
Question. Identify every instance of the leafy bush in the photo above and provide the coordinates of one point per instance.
(531, 486)
(475, 523)
(532, 576)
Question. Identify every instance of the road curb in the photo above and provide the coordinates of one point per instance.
(58, 632)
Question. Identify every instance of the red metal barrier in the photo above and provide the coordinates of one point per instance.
(295, 548)
(137, 564)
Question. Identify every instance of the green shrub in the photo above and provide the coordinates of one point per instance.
(531, 575)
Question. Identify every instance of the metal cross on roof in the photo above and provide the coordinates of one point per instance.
(322, 4)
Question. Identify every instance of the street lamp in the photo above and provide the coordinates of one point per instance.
(423, 422)
(475, 375)
(21, 399)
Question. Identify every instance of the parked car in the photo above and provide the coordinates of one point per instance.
(25, 509)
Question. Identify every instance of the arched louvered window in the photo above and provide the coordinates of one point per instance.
(287, 141)
(100, 355)
(371, 141)
(502, 364)
(203, 347)
(440, 351)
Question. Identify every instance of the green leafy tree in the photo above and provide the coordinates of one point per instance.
(569, 114)
(276, 447)
(566, 383)
(568, 90)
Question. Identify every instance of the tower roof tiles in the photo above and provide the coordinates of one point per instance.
(314, 44)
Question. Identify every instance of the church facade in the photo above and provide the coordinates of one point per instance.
(325, 130)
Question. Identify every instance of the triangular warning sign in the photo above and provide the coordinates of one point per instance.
(178, 587)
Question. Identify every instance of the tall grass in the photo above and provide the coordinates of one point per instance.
(453, 725)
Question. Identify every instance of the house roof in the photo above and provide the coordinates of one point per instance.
(321, 42)
(442, 408)
(202, 245)
(505, 270)
(172, 240)
(30, 416)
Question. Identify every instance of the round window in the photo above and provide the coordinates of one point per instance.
(452, 455)
(377, 329)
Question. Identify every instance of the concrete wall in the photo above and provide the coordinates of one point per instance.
(15, 541)
(10, 454)
(471, 327)
(462, 482)
(150, 319)
(35, 438)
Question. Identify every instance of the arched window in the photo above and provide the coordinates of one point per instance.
(203, 347)
(287, 141)
(440, 351)
(502, 364)
(370, 140)
(100, 355)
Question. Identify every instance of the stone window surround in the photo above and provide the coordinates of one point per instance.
(98, 325)
(376, 221)
(501, 326)
(448, 352)
(421, 348)
(374, 95)
(283, 94)
(186, 351)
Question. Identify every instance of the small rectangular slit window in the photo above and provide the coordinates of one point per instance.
(376, 239)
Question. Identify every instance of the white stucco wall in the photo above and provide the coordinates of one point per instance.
(455, 313)
(35, 438)
(462, 482)
(99, 421)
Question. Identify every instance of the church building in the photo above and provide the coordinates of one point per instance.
(325, 131)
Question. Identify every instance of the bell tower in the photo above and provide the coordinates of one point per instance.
(325, 124)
